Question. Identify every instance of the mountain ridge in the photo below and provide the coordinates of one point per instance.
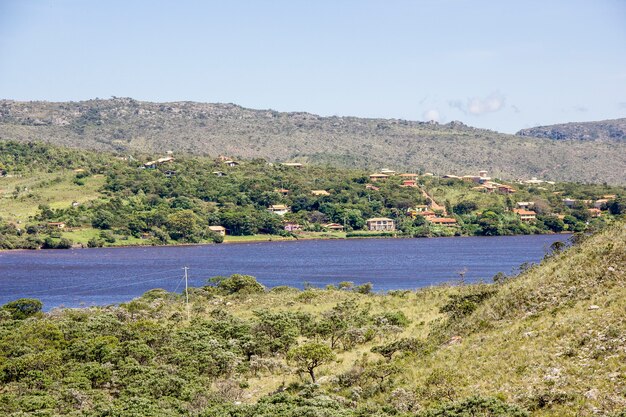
(602, 130)
(127, 125)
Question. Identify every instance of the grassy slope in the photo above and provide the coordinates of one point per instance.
(535, 343)
(126, 125)
(54, 189)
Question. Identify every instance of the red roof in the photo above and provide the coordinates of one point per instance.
(523, 212)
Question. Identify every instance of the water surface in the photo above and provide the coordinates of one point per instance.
(112, 275)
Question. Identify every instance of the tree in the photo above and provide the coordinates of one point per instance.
(311, 355)
(23, 308)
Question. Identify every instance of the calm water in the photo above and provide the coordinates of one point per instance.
(111, 275)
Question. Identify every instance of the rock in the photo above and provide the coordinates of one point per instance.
(594, 307)
(455, 340)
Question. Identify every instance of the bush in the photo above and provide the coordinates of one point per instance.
(238, 284)
(23, 308)
(476, 406)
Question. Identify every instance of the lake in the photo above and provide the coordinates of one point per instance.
(84, 277)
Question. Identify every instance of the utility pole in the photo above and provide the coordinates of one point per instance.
(187, 294)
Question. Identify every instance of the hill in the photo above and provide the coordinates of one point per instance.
(53, 197)
(602, 131)
(126, 125)
(548, 342)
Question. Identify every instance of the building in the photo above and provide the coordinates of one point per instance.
(282, 191)
(505, 189)
(601, 203)
(381, 224)
(409, 183)
(526, 216)
(525, 204)
(292, 227)
(409, 176)
(387, 171)
(153, 164)
(569, 202)
(220, 230)
(371, 187)
(219, 173)
(292, 164)
(231, 163)
(378, 177)
(443, 221)
(335, 227)
(57, 225)
(279, 209)
(320, 192)
(595, 212)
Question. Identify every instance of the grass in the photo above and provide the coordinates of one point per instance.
(54, 189)
(536, 342)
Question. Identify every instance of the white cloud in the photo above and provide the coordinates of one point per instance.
(431, 114)
(492, 103)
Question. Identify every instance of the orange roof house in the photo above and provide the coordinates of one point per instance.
(443, 221)
(409, 183)
(526, 215)
(320, 192)
(378, 177)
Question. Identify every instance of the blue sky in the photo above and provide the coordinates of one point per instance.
(502, 65)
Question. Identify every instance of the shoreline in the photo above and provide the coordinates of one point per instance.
(275, 239)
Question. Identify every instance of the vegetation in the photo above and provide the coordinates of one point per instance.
(606, 130)
(548, 342)
(104, 200)
(129, 126)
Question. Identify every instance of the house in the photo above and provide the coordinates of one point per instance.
(569, 202)
(409, 176)
(595, 212)
(231, 163)
(282, 191)
(470, 178)
(292, 227)
(387, 171)
(145, 236)
(421, 207)
(443, 221)
(220, 230)
(533, 181)
(409, 183)
(428, 174)
(222, 158)
(599, 204)
(487, 187)
(451, 176)
(219, 173)
(610, 196)
(320, 192)
(292, 164)
(371, 187)
(526, 216)
(279, 209)
(378, 177)
(79, 170)
(169, 173)
(505, 189)
(380, 224)
(525, 204)
(57, 225)
(335, 227)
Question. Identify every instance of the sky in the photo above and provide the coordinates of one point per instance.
(501, 64)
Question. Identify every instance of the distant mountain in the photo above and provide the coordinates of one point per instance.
(606, 130)
(126, 125)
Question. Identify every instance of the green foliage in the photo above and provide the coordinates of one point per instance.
(23, 308)
(462, 305)
(309, 356)
(476, 406)
(237, 284)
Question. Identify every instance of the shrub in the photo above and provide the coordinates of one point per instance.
(23, 308)
(238, 284)
(476, 406)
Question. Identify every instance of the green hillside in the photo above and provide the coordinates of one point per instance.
(605, 130)
(54, 197)
(127, 125)
(548, 342)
